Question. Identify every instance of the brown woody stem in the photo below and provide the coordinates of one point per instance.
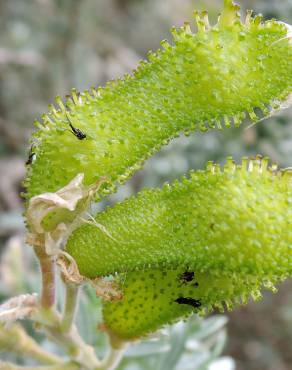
(47, 264)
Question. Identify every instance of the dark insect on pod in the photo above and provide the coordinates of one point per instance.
(31, 156)
(187, 276)
(78, 133)
(195, 303)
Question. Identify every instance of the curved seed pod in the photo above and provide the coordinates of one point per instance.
(207, 79)
(229, 231)
(154, 298)
(200, 222)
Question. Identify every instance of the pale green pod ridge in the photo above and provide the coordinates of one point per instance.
(231, 227)
(207, 79)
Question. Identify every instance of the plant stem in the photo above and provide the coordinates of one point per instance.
(71, 340)
(77, 349)
(61, 331)
(117, 348)
(47, 264)
(15, 339)
(112, 360)
(63, 366)
(70, 306)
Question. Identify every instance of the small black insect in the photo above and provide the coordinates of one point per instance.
(30, 156)
(187, 276)
(77, 132)
(195, 303)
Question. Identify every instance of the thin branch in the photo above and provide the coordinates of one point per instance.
(63, 366)
(71, 341)
(15, 339)
(70, 307)
(112, 360)
(117, 349)
(47, 265)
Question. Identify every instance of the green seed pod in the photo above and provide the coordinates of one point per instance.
(154, 298)
(208, 79)
(216, 237)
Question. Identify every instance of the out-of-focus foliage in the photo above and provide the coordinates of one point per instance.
(49, 46)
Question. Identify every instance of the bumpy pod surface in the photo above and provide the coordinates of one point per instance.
(231, 228)
(151, 299)
(207, 79)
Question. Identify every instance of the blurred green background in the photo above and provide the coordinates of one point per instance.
(49, 46)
